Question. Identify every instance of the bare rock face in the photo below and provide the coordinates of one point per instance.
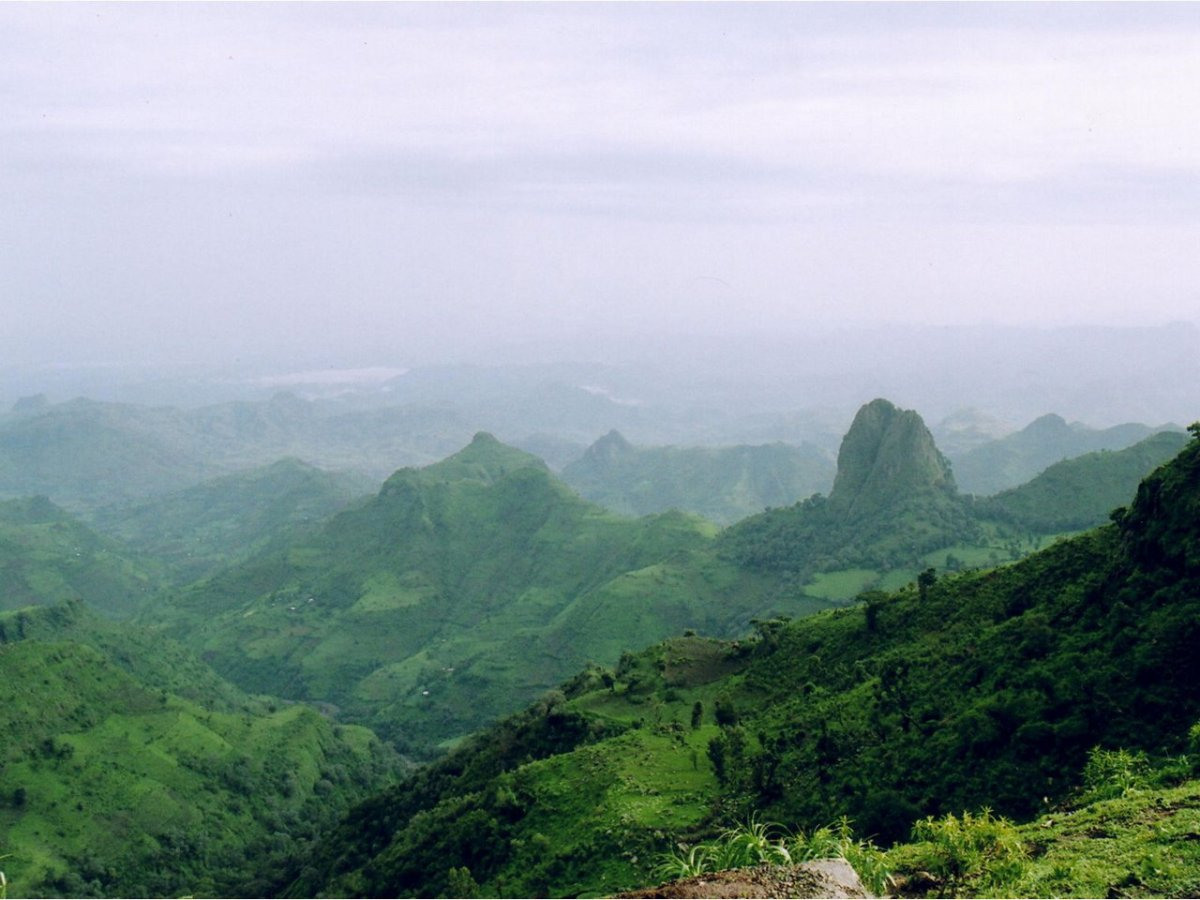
(818, 878)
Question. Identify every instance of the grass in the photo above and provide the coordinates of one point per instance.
(1144, 843)
(107, 773)
(504, 584)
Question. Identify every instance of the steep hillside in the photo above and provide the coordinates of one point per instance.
(987, 689)
(47, 557)
(113, 784)
(213, 525)
(1016, 458)
(1080, 493)
(459, 593)
(893, 501)
(722, 484)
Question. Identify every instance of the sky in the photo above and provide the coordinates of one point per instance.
(395, 183)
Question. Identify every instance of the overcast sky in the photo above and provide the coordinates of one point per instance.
(396, 182)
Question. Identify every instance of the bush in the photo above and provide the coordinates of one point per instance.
(1114, 773)
(978, 848)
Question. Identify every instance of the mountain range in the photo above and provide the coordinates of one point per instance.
(815, 659)
(983, 689)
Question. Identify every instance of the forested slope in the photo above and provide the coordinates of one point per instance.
(986, 689)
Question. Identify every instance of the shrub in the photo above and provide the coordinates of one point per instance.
(1114, 773)
(461, 883)
(980, 848)
(1193, 745)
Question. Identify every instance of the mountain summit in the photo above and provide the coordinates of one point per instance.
(893, 501)
(888, 453)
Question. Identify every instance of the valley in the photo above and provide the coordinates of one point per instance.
(651, 676)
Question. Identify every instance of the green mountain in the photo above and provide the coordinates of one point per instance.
(893, 501)
(460, 592)
(48, 557)
(723, 484)
(129, 769)
(85, 454)
(987, 689)
(1080, 493)
(1016, 458)
(199, 530)
(88, 455)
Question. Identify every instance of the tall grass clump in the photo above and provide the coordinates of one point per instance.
(982, 849)
(1109, 774)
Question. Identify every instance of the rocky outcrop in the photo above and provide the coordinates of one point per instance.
(818, 878)
(887, 453)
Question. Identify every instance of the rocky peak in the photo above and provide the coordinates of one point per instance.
(886, 454)
(609, 449)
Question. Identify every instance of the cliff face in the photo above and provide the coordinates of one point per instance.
(888, 453)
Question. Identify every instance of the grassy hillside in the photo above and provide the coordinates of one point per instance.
(1016, 458)
(459, 593)
(199, 530)
(982, 690)
(47, 557)
(1131, 832)
(1080, 493)
(114, 784)
(723, 484)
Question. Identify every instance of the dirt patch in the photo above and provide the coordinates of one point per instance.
(819, 878)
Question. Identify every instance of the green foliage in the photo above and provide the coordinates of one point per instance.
(459, 593)
(1114, 773)
(838, 840)
(1193, 742)
(48, 557)
(1078, 493)
(110, 783)
(1141, 843)
(989, 692)
(762, 843)
(461, 883)
(1013, 460)
(213, 525)
(980, 848)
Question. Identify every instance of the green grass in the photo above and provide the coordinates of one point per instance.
(1145, 842)
(112, 783)
(48, 557)
(461, 592)
(199, 530)
(929, 704)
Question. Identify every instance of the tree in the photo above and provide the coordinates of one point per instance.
(697, 714)
(925, 581)
(725, 712)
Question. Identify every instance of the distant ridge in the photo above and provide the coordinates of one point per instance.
(723, 484)
(1014, 459)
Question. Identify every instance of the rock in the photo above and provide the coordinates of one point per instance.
(818, 878)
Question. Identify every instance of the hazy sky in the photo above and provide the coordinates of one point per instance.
(394, 182)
